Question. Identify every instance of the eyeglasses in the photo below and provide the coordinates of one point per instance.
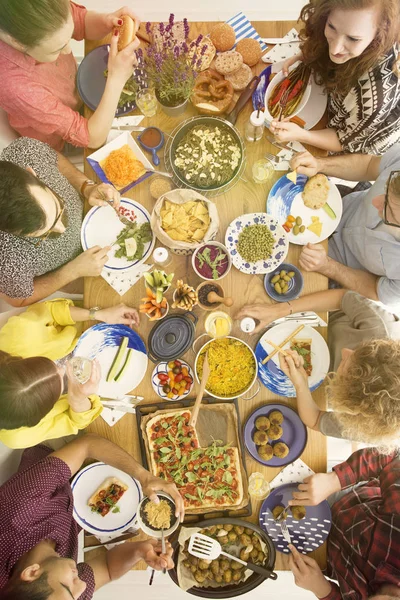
(37, 241)
(386, 208)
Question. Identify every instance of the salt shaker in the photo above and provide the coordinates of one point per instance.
(162, 257)
(247, 325)
(255, 126)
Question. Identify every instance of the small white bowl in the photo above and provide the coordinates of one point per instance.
(156, 532)
(221, 247)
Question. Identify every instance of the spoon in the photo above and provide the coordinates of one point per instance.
(163, 173)
(199, 398)
(213, 298)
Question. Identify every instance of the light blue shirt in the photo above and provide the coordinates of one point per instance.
(358, 243)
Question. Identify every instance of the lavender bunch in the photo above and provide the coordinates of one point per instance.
(172, 65)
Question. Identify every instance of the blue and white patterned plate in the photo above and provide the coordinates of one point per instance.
(86, 482)
(285, 198)
(279, 251)
(162, 367)
(101, 342)
(271, 375)
(308, 534)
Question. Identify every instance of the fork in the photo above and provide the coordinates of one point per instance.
(285, 532)
(282, 103)
(271, 157)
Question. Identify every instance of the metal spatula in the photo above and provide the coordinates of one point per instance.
(206, 548)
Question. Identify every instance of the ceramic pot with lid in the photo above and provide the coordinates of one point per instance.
(171, 337)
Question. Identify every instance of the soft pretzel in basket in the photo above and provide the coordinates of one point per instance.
(212, 94)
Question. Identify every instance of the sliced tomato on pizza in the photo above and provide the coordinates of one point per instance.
(107, 495)
(303, 347)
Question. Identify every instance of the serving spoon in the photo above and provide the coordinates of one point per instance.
(204, 378)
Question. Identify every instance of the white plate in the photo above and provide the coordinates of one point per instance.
(102, 342)
(101, 227)
(271, 375)
(162, 367)
(275, 81)
(279, 251)
(285, 198)
(86, 482)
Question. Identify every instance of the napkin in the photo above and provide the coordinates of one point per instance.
(281, 52)
(244, 29)
(122, 281)
(130, 121)
(112, 416)
(285, 156)
(295, 472)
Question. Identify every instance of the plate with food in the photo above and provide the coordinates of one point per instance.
(131, 245)
(293, 90)
(223, 578)
(106, 500)
(121, 354)
(233, 367)
(172, 380)
(275, 435)
(257, 243)
(308, 343)
(308, 526)
(206, 154)
(91, 82)
(309, 209)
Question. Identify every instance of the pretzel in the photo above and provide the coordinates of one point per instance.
(212, 94)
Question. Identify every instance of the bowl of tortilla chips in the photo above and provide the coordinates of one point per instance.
(183, 220)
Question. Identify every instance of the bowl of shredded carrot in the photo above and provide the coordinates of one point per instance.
(121, 167)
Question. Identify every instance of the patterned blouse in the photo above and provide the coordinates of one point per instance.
(20, 261)
(367, 120)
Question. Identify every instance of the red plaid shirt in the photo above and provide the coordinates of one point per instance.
(364, 542)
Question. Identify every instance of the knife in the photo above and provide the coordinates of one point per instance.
(280, 40)
(129, 128)
(307, 317)
(242, 100)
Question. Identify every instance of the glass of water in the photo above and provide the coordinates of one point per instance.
(81, 368)
(147, 102)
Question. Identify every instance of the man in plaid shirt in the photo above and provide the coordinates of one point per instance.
(364, 542)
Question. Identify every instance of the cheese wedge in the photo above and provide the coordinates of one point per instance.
(316, 228)
(292, 176)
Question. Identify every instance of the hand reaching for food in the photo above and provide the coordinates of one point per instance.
(115, 19)
(292, 366)
(151, 485)
(307, 573)
(285, 131)
(102, 194)
(120, 314)
(90, 263)
(291, 61)
(151, 552)
(305, 164)
(263, 313)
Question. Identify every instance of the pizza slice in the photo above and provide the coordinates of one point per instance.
(107, 495)
(303, 347)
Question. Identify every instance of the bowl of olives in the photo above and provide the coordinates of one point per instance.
(284, 284)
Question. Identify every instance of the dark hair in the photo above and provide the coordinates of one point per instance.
(29, 388)
(343, 77)
(20, 213)
(17, 589)
(29, 22)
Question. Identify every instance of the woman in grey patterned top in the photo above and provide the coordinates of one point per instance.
(41, 213)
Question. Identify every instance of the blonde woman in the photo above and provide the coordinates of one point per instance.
(364, 342)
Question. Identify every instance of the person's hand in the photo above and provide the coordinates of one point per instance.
(113, 20)
(313, 257)
(91, 262)
(151, 552)
(315, 489)
(102, 195)
(305, 164)
(151, 485)
(120, 314)
(265, 313)
(78, 393)
(285, 131)
(121, 64)
(292, 366)
(307, 573)
(291, 61)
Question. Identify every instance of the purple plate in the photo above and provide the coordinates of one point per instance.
(308, 534)
(294, 434)
(90, 80)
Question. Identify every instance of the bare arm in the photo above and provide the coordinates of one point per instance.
(353, 279)
(353, 167)
(327, 139)
(70, 172)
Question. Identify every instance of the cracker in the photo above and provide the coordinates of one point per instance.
(228, 62)
(240, 78)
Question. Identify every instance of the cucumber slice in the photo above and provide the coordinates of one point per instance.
(125, 365)
(329, 211)
(118, 359)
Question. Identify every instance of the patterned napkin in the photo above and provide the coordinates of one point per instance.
(293, 473)
(244, 29)
(122, 281)
(129, 121)
(112, 416)
(281, 52)
(286, 155)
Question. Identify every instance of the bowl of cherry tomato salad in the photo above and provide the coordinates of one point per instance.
(172, 380)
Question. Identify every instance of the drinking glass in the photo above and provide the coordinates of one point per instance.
(146, 102)
(81, 368)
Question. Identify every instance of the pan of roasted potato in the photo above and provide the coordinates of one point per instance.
(222, 577)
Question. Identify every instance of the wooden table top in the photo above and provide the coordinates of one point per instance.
(242, 198)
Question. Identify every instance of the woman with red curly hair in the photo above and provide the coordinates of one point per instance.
(352, 47)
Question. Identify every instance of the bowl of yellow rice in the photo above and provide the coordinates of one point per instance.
(233, 367)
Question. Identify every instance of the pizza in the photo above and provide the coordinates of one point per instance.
(303, 347)
(205, 477)
(107, 496)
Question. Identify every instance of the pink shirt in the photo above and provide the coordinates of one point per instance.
(41, 99)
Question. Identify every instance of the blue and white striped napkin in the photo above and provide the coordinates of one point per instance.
(244, 29)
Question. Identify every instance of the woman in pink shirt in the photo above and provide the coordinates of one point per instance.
(38, 70)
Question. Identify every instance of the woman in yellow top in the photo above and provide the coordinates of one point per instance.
(33, 405)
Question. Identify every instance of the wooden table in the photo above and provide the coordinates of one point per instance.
(243, 198)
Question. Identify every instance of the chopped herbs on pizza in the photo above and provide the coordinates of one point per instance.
(303, 347)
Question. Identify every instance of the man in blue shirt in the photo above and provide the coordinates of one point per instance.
(364, 251)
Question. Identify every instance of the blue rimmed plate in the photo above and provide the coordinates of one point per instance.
(308, 534)
(271, 375)
(101, 342)
(279, 250)
(285, 198)
(101, 227)
(86, 482)
(162, 367)
(294, 434)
